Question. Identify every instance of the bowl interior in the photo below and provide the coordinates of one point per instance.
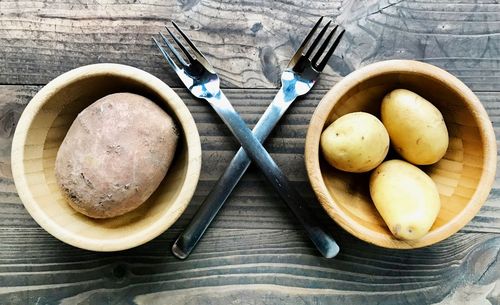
(44, 137)
(457, 175)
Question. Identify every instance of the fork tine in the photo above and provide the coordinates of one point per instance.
(320, 50)
(318, 39)
(322, 65)
(304, 43)
(165, 55)
(173, 50)
(179, 43)
(197, 52)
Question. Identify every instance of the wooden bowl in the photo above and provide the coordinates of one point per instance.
(464, 176)
(39, 134)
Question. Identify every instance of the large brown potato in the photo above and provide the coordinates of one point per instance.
(115, 155)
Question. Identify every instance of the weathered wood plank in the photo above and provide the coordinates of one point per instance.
(252, 266)
(255, 252)
(249, 43)
(254, 204)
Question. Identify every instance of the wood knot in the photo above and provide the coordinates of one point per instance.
(256, 27)
(120, 271)
(9, 116)
(187, 5)
(270, 66)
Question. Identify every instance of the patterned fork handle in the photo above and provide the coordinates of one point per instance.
(188, 239)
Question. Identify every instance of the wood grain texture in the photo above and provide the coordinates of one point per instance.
(248, 42)
(257, 266)
(254, 252)
(253, 204)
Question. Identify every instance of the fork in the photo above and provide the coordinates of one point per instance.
(199, 77)
(298, 78)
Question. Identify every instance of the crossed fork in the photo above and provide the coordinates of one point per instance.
(200, 78)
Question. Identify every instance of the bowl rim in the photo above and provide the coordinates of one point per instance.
(317, 123)
(153, 229)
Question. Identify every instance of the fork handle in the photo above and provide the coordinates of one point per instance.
(321, 239)
(188, 239)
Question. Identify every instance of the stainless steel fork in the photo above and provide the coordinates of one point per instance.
(199, 77)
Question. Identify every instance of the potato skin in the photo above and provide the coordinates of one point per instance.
(406, 198)
(356, 142)
(115, 154)
(416, 127)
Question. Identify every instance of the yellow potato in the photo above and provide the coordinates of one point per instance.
(406, 198)
(416, 127)
(356, 142)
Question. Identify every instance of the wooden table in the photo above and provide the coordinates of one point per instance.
(255, 252)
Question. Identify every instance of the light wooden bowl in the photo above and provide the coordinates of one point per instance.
(464, 176)
(39, 134)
